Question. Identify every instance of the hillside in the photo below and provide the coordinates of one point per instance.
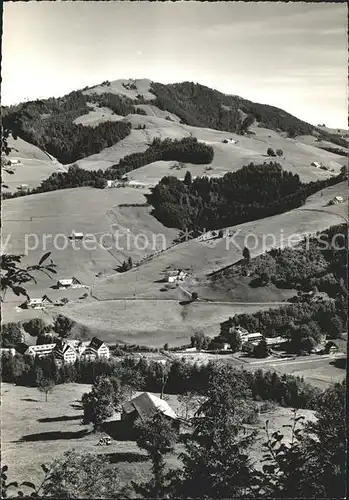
(34, 166)
(174, 111)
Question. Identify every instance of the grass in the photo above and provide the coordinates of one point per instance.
(153, 322)
(35, 167)
(227, 158)
(36, 432)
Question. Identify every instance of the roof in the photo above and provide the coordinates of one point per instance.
(253, 335)
(147, 405)
(330, 344)
(35, 301)
(66, 281)
(96, 343)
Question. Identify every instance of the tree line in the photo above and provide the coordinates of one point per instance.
(251, 193)
(187, 149)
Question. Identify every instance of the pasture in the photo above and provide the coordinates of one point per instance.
(35, 166)
(46, 220)
(201, 257)
(36, 432)
(229, 157)
(153, 322)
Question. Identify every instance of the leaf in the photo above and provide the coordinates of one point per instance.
(44, 468)
(20, 494)
(13, 483)
(3, 477)
(4, 468)
(44, 257)
(28, 484)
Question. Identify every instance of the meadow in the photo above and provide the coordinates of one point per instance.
(36, 432)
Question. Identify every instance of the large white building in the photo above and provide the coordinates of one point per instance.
(68, 351)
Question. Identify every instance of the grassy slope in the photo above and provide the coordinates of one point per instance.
(36, 165)
(153, 322)
(203, 257)
(228, 157)
(24, 408)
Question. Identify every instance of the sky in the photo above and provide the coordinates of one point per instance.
(291, 55)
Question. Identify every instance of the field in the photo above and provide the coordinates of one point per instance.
(297, 157)
(36, 432)
(153, 322)
(36, 165)
(316, 371)
(203, 257)
(92, 211)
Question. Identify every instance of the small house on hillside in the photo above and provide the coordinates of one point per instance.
(330, 348)
(37, 303)
(176, 276)
(145, 406)
(336, 200)
(76, 236)
(69, 283)
(13, 162)
(316, 164)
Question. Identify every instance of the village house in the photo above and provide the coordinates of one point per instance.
(8, 350)
(76, 236)
(254, 338)
(176, 276)
(69, 283)
(37, 303)
(39, 351)
(316, 164)
(336, 200)
(96, 348)
(275, 341)
(64, 353)
(330, 348)
(13, 162)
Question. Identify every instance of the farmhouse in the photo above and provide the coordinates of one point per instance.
(316, 164)
(76, 236)
(176, 276)
(330, 348)
(254, 338)
(137, 184)
(12, 162)
(275, 341)
(37, 303)
(145, 406)
(96, 349)
(23, 187)
(69, 283)
(336, 200)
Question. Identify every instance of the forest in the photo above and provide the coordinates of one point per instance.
(187, 149)
(201, 106)
(251, 193)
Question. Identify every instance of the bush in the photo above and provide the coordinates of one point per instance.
(271, 152)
